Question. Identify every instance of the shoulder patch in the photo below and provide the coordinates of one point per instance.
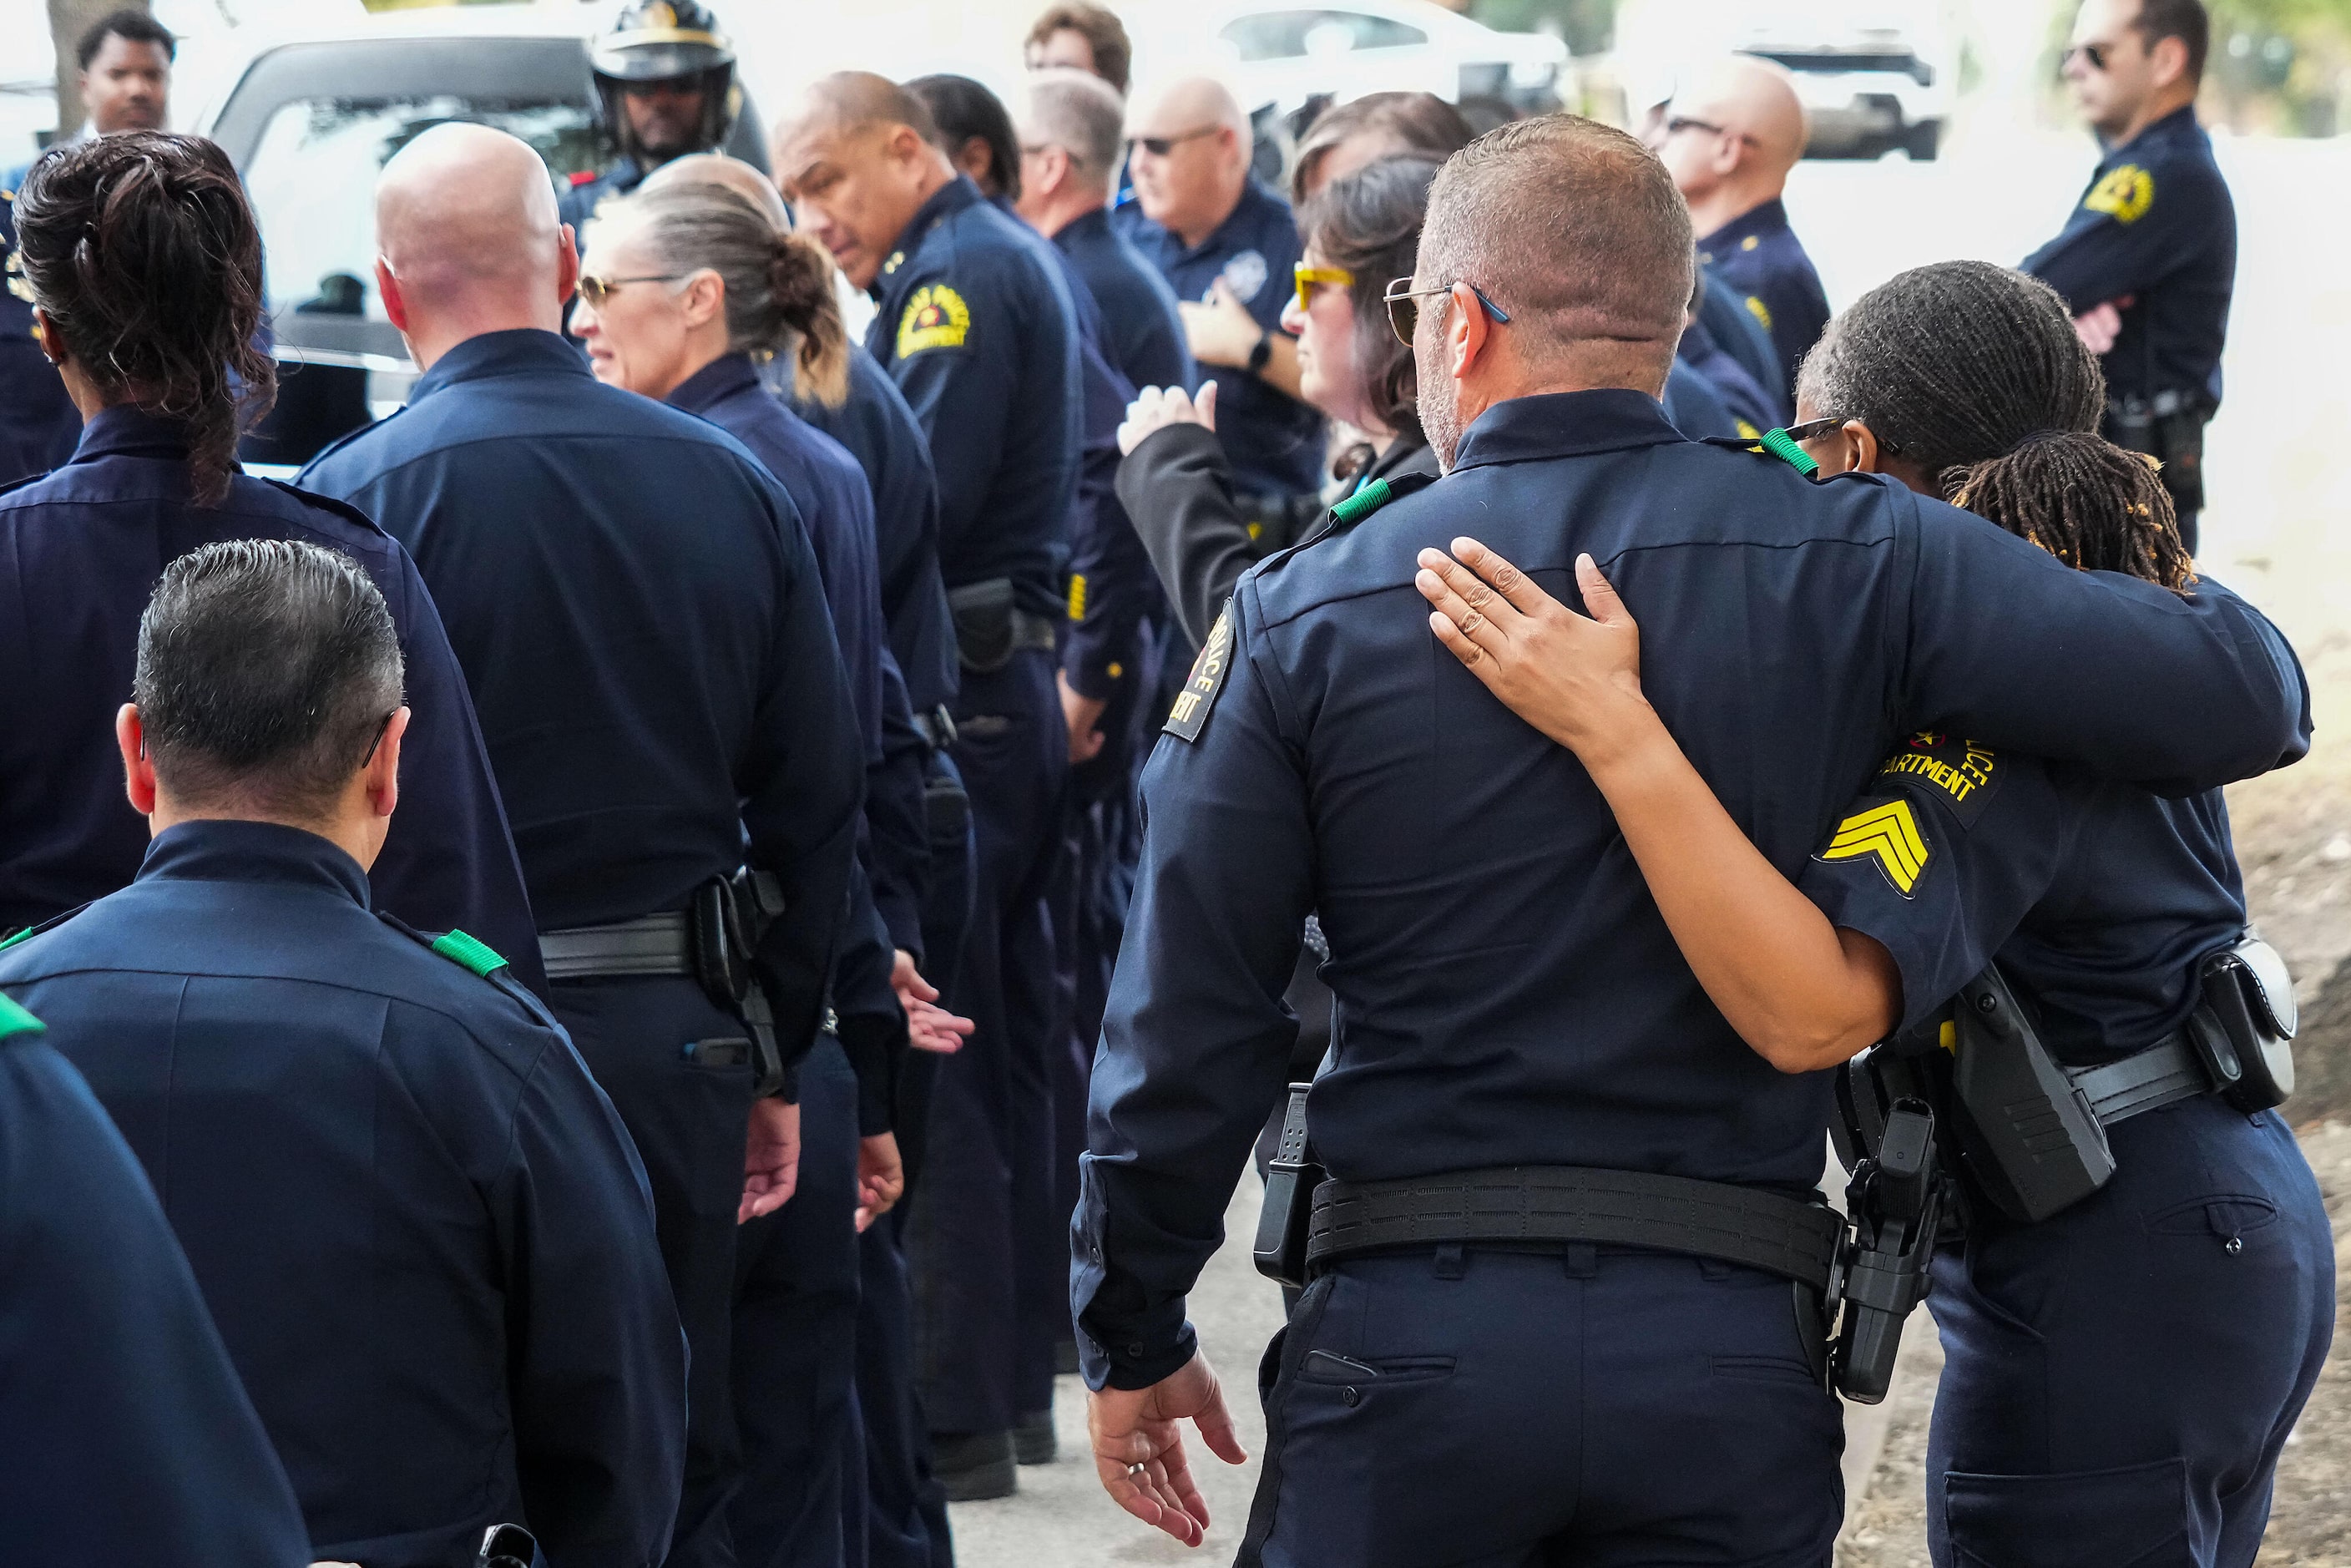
(1967, 773)
(469, 952)
(1885, 829)
(935, 318)
(1190, 714)
(14, 1019)
(1761, 311)
(1363, 503)
(2123, 194)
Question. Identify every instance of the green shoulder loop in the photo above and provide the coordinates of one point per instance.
(1363, 503)
(470, 953)
(16, 936)
(1778, 445)
(14, 1019)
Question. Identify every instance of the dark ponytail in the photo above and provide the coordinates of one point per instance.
(2085, 501)
(799, 283)
(141, 252)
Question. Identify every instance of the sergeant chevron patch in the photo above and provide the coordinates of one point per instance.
(1887, 832)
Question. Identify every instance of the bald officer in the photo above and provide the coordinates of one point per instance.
(637, 610)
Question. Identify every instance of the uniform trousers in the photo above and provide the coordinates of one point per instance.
(795, 1338)
(2118, 1379)
(636, 1035)
(984, 1211)
(897, 1511)
(1485, 1409)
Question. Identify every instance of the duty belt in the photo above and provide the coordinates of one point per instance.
(1554, 1204)
(649, 945)
(2164, 1073)
(1033, 630)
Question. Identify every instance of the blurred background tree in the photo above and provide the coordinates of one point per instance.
(2282, 67)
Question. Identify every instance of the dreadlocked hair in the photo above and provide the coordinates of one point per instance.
(1975, 373)
(2086, 501)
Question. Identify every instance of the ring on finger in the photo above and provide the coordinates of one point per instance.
(1134, 1470)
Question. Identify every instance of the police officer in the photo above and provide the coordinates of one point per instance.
(1521, 1051)
(652, 698)
(978, 329)
(124, 1434)
(2148, 259)
(1225, 245)
(142, 256)
(419, 1226)
(665, 83)
(126, 85)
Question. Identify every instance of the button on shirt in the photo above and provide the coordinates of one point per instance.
(125, 1436)
(979, 331)
(1760, 258)
(1276, 441)
(2157, 225)
(1508, 992)
(420, 1224)
(636, 606)
(80, 552)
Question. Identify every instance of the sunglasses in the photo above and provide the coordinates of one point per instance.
(1403, 301)
(1681, 122)
(1813, 429)
(1311, 278)
(2093, 55)
(597, 290)
(1160, 146)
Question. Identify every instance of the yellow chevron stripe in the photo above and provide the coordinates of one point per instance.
(1890, 834)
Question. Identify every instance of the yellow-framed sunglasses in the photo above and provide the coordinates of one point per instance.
(1311, 278)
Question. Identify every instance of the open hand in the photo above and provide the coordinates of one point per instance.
(929, 1026)
(2100, 325)
(1081, 715)
(880, 1177)
(1577, 678)
(1139, 1446)
(1156, 408)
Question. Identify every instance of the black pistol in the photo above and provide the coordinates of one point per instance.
(1896, 1204)
(507, 1546)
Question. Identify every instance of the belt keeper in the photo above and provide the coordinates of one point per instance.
(1452, 1260)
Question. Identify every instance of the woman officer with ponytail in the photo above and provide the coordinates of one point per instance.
(141, 262)
(2121, 1376)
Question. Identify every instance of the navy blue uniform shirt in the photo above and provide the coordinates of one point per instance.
(1760, 258)
(125, 1436)
(2156, 226)
(637, 609)
(38, 423)
(422, 1230)
(1275, 441)
(2099, 900)
(80, 551)
(579, 201)
(1508, 992)
(978, 329)
(1143, 331)
(880, 431)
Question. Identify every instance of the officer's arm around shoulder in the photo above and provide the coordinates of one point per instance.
(2010, 647)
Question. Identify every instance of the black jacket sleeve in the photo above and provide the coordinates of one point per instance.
(1178, 486)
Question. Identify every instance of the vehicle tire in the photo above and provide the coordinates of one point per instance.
(1923, 140)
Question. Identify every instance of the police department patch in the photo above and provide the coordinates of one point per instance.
(935, 318)
(1885, 830)
(1245, 275)
(1190, 714)
(2124, 195)
(1966, 772)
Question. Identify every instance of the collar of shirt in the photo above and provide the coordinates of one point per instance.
(126, 431)
(1564, 425)
(521, 351)
(214, 851)
(1087, 228)
(1233, 232)
(2178, 125)
(1757, 223)
(715, 382)
(945, 203)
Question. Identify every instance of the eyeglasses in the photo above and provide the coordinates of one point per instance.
(597, 290)
(1160, 146)
(2094, 54)
(1310, 278)
(1403, 301)
(1678, 123)
(1813, 429)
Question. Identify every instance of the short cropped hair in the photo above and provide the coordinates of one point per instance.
(961, 110)
(1573, 227)
(266, 671)
(1081, 114)
(1104, 33)
(2186, 20)
(132, 26)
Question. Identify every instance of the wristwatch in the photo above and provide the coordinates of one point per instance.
(1261, 353)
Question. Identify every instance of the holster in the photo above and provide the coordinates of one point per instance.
(1290, 1178)
(990, 625)
(1895, 1203)
(726, 923)
(507, 1546)
(2169, 428)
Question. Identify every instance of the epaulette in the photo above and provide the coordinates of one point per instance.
(472, 954)
(14, 1019)
(324, 503)
(1770, 443)
(32, 931)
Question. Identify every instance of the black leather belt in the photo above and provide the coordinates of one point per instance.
(1550, 1204)
(649, 945)
(2165, 1073)
(1032, 630)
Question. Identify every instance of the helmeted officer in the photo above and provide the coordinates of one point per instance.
(418, 1222)
(653, 696)
(1520, 1050)
(85, 545)
(978, 329)
(2148, 259)
(124, 1434)
(666, 87)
